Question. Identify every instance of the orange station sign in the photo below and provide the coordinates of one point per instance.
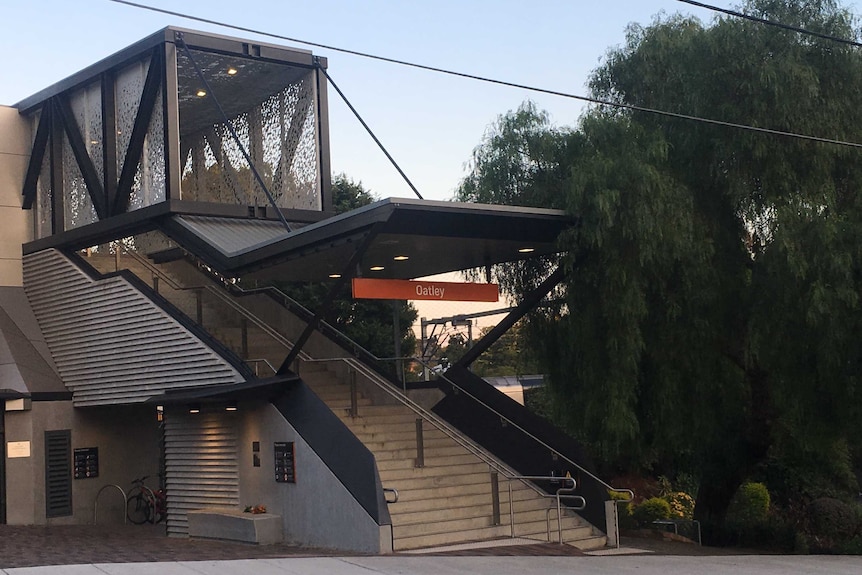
(367, 288)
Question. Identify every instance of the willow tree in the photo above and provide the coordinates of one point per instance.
(711, 315)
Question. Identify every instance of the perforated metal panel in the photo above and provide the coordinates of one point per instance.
(200, 463)
(58, 473)
(111, 344)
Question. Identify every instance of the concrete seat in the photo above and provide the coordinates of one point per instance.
(235, 525)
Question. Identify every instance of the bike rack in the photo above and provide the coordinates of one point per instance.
(96, 502)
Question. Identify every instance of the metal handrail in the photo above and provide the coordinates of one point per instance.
(374, 377)
(473, 448)
(261, 324)
(262, 360)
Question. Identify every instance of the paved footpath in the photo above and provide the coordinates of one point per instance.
(487, 565)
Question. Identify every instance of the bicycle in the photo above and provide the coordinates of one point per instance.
(143, 505)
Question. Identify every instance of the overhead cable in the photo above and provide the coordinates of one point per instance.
(771, 23)
(619, 105)
(370, 133)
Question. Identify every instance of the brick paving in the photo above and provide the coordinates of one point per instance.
(30, 546)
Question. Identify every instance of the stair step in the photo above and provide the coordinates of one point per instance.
(444, 462)
(394, 475)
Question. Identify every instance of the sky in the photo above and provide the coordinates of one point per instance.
(429, 122)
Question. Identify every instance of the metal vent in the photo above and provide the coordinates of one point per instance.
(58, 473)
(201, 465)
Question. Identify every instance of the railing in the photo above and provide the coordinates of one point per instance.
(355, 366)
(371, 375)
(159, 276)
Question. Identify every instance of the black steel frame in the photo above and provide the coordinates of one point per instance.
(110, 195)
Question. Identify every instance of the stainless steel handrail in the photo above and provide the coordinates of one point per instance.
(394, 492)
(471, 447)
(377, 380)
(261, 324)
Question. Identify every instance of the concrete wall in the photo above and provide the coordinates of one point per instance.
(128, 442)
(17, 228)
(317, 510)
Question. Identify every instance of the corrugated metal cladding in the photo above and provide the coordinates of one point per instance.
(230, 235)
(111, 344)
(201, 468)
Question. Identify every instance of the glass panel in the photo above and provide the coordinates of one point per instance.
(149, 186)
(129, 87)
(79, 210)
(86, 106)
(271, 108)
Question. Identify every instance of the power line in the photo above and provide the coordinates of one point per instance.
(370, 133)
(771, 23)
(587, 99)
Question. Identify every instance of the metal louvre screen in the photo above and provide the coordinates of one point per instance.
(201, 469)
(111, 344)
(58, 473)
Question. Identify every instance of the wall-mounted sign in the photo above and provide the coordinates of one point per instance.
(86, 462)
(368, 288)
(285, 462)
(17, 449)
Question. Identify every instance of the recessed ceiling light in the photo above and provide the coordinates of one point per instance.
(334, 276)
(526, 250)
(231, 71)
(377, 268)
(401, 258)
(201, 93)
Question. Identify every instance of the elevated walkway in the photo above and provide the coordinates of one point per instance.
(450, 489)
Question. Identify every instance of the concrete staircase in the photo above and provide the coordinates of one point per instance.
(447, 498)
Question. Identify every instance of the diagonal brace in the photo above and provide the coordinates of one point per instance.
(530, 301)
(325, 306)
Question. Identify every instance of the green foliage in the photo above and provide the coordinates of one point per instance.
(711, 315)
(750, 505)
(830, 523)
(509, 355)
(651, 510)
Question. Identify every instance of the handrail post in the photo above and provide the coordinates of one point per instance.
(495, 498)
(559, 519)
(199, 306)
(244, 335)
(155, 283)
(354, 393)
(511, 511)
(420, 444)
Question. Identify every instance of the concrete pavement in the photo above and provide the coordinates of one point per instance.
(488, 565)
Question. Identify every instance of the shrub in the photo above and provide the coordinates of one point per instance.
(750, 505)
(651, 510)
(830, 524)
(681, 504)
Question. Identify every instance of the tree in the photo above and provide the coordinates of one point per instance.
(711, 308)
(367, 322)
